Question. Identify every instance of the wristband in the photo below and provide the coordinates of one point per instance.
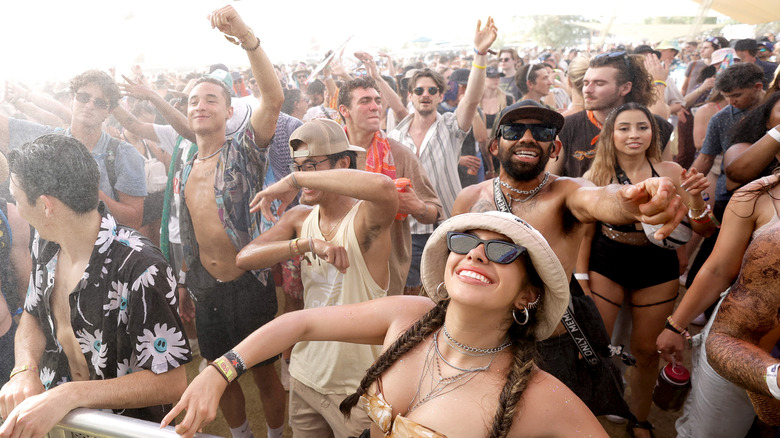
(581, 276)
(294, 250)
(771, 381)
(670, 324)
(659, 83)
(237, 361)
(774, 133)
(182, 278)
(223, 366)
(251, 49)
(481, 67)
(478, 52)
(22, 369)
(700, 218)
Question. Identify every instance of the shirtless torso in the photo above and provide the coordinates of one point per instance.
(217, 253)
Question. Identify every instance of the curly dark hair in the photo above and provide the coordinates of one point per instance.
(753, 126)
(101, 79)
(739, 75)
(631, 68)
(345, 92)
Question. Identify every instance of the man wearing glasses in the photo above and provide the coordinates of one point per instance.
(122, 177)
(508, 62)
(343, 230)
(560, 208)
(437, 138)
(611, 80)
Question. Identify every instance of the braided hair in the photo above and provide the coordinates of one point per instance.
(523, 350)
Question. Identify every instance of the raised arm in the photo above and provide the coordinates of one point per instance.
(391, 98)
(483, 39)
(263, 120)
(747, 314)
(47, 105)
(146, 130)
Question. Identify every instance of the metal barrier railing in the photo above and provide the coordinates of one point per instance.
(89, 423)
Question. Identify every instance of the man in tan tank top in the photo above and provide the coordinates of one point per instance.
(345, 238)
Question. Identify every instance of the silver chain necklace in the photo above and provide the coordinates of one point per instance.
(441, 385)
(215, 153)
(469, 349)
(528, 193)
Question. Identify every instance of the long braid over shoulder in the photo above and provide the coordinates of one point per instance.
(428, 324)
(524, 351)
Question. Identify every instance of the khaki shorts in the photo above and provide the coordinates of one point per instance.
(315, 415)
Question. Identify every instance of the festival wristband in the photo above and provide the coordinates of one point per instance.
(774, 133)
(659, 83)
(581, 276)
(771, 380)
(236, 361)
(672, 326)
(478, 52)
(22, 369)
(225, 370)
(481, 67)
(182, 278)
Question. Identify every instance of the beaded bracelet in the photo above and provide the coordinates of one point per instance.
(251, 49)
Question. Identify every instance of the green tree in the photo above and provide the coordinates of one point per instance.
(559, 30)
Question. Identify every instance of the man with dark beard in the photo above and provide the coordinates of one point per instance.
(559, 208)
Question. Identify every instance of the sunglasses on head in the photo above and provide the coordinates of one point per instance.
(498, 251)
(431, 90)
(516, 131)
(99, 102)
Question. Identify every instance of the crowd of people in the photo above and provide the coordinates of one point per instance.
(485, 234)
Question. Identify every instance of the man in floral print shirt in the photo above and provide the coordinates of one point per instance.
(100, 327)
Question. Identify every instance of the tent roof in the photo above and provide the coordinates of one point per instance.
(648, 32)
(747, 11)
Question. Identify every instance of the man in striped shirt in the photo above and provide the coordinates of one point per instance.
(437, 138)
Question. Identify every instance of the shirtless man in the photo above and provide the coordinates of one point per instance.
(560, 208)
(746, 327)
(217, 185)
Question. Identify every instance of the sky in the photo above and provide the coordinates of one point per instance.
(57, 39)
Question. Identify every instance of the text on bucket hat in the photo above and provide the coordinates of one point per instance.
(555, 297)
(323, 137)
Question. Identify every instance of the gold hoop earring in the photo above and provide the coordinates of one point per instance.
(526, 316)
(442, 296)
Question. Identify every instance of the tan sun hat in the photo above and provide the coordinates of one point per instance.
(323, 136)
(556, 285)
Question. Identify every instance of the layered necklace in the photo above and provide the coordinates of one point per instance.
(472, 351)
(440, 385)
(527, 193)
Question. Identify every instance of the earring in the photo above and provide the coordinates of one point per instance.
(526, 316)
(442, 296)
(532, 306)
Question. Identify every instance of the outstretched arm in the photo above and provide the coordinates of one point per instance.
(372, 322)
(263, 120)
(745, 163)
(483, 39)
(652, 201)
